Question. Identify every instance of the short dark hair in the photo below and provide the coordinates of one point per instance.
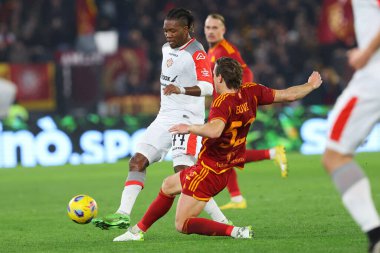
(230, 70)
(182, 15)
(218, 17)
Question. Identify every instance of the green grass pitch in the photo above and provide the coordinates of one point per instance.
(300, 214)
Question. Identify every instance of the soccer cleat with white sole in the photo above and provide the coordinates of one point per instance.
(130, 236)
(244, 233)
(281, 160)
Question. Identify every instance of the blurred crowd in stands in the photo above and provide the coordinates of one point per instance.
(282, 41)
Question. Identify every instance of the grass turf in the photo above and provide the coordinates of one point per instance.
(300, 214)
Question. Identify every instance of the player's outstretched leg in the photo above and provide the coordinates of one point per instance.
(355, 189)
(202, 226)
(133, 186)
(277, 154)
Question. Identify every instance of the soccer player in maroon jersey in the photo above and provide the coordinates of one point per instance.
(223, 147)
(214, 30)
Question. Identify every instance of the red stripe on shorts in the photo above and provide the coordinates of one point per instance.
(342, 119)
(192, 145)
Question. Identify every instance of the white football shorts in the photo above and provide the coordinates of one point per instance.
(157, 141)
(355, 113)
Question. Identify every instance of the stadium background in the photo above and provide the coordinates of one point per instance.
(78, 106)
(87, 69)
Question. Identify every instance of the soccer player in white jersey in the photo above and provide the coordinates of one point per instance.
(356, 112)
(185, 70)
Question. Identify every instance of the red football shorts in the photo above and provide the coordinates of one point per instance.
(201, 183)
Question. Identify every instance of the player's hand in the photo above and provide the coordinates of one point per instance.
(179, 129)
(357, 58)
(315, 79)
(171, 89)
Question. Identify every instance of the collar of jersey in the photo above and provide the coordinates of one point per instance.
(217, 44)
(185, 46)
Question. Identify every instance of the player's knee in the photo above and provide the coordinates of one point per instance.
(327, 159)
(138, 162)
(179, 225)
(332, 160)
(165, 187)
(170, 186)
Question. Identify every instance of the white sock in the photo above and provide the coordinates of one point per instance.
(128, 198)
(135, 229)
(272, 153)
(358, 201)
(213, 210)
(237, 199)
(234, 232)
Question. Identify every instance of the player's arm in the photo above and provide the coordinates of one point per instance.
(201, 89)
(203, 73)
(212, 129)
(298, 91)
(358, 58)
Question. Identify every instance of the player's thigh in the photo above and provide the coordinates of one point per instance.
(184, 148)
(155, 143)
(352, 119)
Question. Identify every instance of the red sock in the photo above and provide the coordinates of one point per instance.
(159, 207)
(253, 155)
(232, 184)
(202, 226)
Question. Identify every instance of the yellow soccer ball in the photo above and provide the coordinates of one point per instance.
(82, 209)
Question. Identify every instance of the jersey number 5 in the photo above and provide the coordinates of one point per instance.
(233, 129)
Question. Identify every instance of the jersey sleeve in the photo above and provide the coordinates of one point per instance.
(262, 94)
(265, 95)
(202, 66)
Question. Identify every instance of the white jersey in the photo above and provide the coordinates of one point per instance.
(357, 109)
(367, 24)
(184, 67)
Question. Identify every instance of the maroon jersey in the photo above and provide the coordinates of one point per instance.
(237, 111)
(226, 49)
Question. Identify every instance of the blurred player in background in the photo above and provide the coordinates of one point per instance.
(214, 30)
(8, 92)
(356, 112)
(223, 148)
(186, 73)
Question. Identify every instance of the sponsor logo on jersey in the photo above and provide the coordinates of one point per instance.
(173, 54)
(169, 62)
(165, 78)
(200, 56)
(205, 72)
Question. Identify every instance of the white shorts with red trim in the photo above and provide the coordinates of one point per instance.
(157, 141)
(355, 113)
